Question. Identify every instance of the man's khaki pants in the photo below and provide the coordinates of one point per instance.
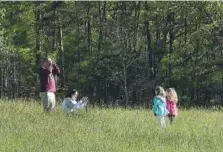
(48, 101)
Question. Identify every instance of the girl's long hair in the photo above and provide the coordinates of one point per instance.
(172, 95)
(70, 93)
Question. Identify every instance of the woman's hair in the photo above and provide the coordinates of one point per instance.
(172, 95)
(70, 93)
(159, 91)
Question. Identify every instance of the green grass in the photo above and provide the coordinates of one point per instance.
(25, 127)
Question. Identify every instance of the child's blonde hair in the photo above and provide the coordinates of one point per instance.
(159, 91)
(172, 95)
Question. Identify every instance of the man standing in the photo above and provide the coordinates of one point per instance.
(47, 84)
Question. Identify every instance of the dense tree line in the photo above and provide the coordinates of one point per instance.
(115, 51)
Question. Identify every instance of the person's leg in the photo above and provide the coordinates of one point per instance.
(158, 120)
(162, 121)
(52, 101)
(44, 99)
(172, 119)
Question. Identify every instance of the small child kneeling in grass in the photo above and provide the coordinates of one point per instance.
(70, 103)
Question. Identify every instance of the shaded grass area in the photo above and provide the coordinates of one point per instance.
(25, 127)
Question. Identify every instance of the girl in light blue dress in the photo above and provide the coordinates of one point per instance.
(160, 106)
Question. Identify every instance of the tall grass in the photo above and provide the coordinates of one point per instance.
(25, 127)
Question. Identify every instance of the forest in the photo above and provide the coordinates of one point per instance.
(115, 52)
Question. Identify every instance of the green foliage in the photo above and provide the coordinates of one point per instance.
(106, 44)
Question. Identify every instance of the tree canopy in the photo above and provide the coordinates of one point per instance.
(115, 50)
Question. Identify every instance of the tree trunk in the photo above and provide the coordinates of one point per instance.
(89, 29)
(78, 36)
(124, 42)
(155, 57)
(125, 85)
(14, 76)
(136, 18)
(38, 28)
(100, 31)
(61, 53)
(185, 30)
(104, 18)
(196, 65)
(149, 48)
(1, 84)
(171, 36)
(99, 81)
(6, 81)
(104, 12)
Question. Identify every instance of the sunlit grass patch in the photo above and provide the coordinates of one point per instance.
(25, 127)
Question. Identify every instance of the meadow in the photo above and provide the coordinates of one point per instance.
(24, 127)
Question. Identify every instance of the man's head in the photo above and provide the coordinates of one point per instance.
(47, 62)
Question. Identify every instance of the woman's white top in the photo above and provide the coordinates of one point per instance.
(70, 105)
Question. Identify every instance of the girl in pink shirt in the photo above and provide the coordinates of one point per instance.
(172, 100)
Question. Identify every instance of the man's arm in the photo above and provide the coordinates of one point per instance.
(56, 70)
(46, 70)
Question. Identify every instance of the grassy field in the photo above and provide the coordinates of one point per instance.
(24, 127)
